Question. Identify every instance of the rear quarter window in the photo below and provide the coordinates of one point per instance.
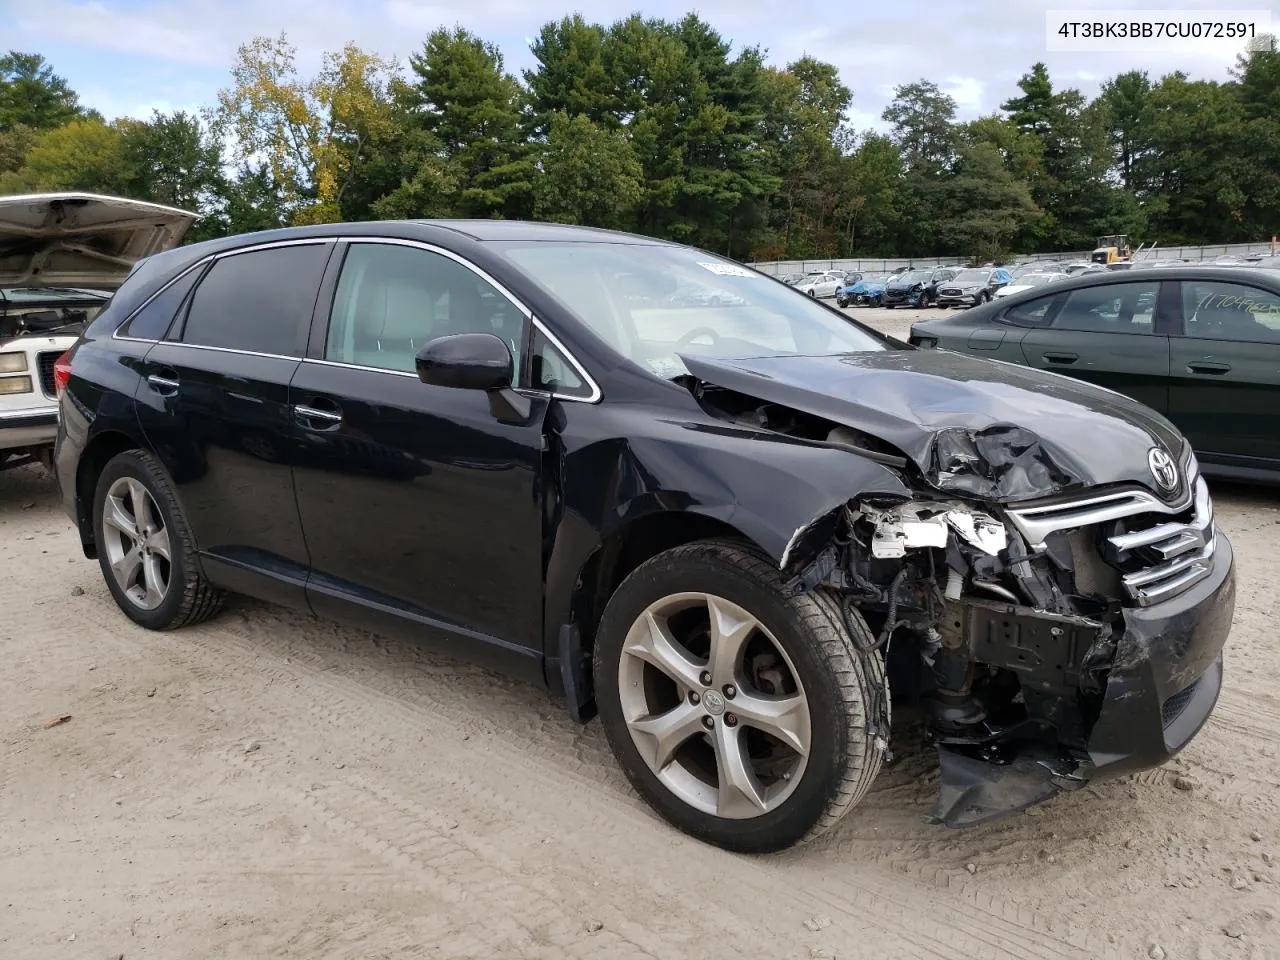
(259, 301)
(1032, 313)
(152, 322)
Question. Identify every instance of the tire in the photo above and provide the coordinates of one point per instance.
(803, 638)
(813, 294)
(984, 297)
(186, 597)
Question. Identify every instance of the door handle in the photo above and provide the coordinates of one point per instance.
(328, 417)
(1063, 358)
(1208, 366)
(166, 386)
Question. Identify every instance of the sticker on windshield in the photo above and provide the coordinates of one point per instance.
(726, 269)
(668, 368)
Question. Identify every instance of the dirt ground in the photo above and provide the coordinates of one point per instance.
(269, 785)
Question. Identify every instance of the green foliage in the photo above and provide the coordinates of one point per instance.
(32, 95)
(663, 127)
(469, 108)
(81, 155)
(589, 175)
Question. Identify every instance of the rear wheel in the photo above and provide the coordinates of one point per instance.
(145, 549)
(747, 717)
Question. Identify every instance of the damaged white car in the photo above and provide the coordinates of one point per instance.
(61, 255)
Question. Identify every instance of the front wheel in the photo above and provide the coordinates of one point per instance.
(747, 717)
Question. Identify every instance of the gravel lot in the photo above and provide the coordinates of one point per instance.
(269, 785)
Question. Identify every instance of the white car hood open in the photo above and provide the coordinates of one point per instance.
(82, 239)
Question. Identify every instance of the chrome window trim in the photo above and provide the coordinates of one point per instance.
(115, 334)
(596, 393)
(235, 350)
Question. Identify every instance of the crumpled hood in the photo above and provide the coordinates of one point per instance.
(978, 427)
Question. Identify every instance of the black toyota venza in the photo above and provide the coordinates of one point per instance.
(669, 488)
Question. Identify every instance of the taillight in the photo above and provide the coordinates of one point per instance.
(61, 372)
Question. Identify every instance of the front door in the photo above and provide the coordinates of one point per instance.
(1225, 378)
(1107, 335)
(421, 510)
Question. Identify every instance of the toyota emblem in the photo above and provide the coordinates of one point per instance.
(1163, 469)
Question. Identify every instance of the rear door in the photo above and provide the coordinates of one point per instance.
(1108, 335)
(999, 335)
(1225, 386)
(214, 403)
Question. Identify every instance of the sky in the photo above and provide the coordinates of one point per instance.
(129, 57)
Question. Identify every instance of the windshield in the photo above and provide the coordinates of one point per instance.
(1038, 279)
(651, 303)
(972, 276)
(916, 276)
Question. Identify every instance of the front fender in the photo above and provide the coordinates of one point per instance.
(618, 466)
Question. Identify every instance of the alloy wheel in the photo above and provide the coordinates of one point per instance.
(137, 543)
(714, 705)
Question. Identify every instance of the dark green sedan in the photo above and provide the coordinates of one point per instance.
(1199, 344)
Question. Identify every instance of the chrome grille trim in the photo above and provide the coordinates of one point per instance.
(1037, 523)
(1184, 549)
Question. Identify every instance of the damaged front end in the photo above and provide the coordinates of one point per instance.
(1058, 620)
(1025, 639)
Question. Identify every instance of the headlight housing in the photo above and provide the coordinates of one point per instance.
(13, 385)
(13, 362)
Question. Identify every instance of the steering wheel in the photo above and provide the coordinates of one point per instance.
(697, 332)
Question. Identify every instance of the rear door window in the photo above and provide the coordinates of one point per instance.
(1213, 310)
(1113, 308)
(258, 301)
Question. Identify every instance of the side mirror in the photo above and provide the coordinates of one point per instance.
(475, 361)
(466, 361)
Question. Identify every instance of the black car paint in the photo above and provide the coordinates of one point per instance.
(549, 506)
(403, 443)
(1075, 436)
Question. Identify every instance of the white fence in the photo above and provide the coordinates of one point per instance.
(779, 267)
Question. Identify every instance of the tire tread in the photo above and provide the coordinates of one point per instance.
(860, 677)
(200, 599)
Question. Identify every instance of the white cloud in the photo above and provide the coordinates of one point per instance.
(966, 92)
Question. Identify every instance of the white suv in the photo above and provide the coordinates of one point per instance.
(61, 255)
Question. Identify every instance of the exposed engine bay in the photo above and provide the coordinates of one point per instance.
(1005, 643)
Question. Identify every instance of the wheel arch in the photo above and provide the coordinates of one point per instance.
(618, 553)
(98, 452)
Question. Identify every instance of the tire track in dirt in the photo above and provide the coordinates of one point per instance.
(451, 711)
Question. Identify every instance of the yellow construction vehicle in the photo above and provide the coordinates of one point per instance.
(1112, 249)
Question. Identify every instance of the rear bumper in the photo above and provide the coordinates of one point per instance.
(1162, 686)
(21, 429)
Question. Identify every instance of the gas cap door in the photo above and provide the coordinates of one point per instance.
(989, 338)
